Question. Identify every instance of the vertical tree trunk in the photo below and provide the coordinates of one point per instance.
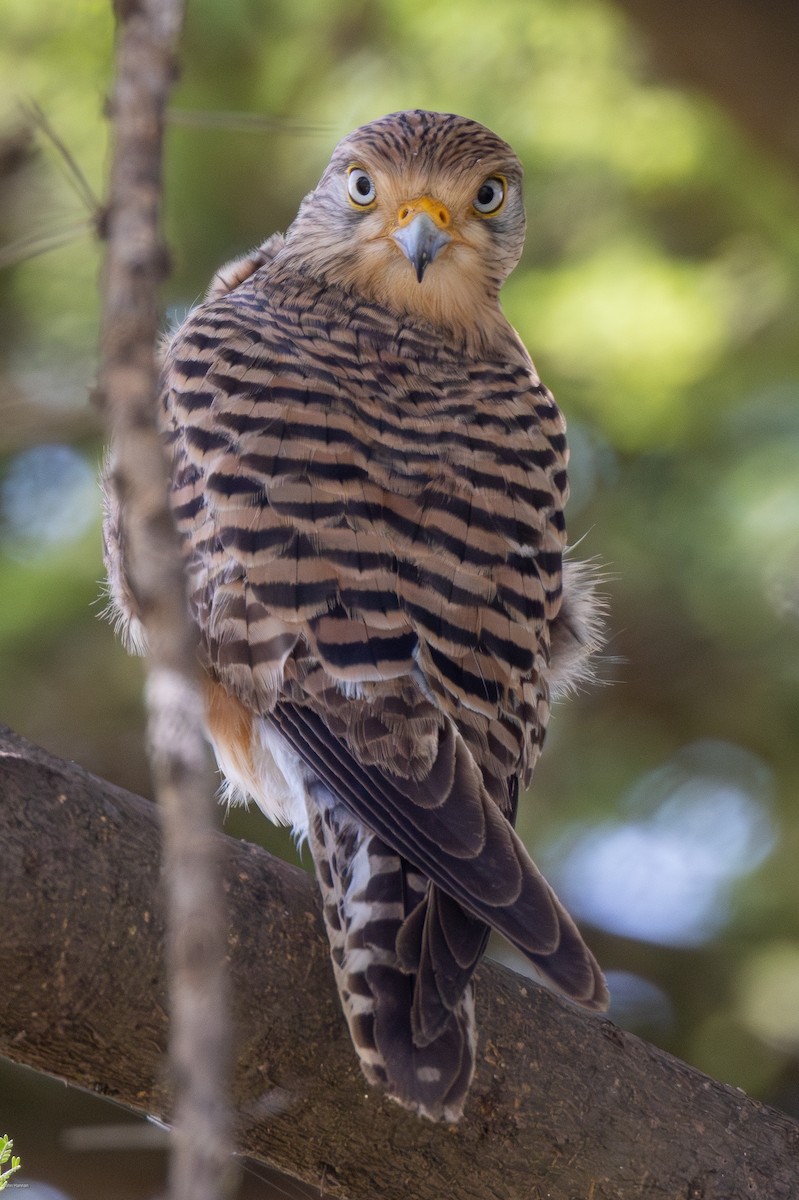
(147, 36)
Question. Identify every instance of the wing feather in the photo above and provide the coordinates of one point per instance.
(462, 843)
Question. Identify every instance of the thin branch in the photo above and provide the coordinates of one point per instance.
(34, 244)
(147, 35)
(38, 119)
(243, 122)
(565, 1106)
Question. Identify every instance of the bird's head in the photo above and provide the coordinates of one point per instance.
(419, 211)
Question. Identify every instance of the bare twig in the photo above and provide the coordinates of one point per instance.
(38, 119)
(34, 244)
(147, 35)
(243, 122)
(14, 153)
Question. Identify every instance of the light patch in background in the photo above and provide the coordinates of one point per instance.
(629, 329)
(592, 463)
(34, 1189)
(53, 390)
(638, 1004)
(49, 496)
(758, 499)
(768, 995)
(663, 873)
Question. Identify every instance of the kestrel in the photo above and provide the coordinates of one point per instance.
(369, 481)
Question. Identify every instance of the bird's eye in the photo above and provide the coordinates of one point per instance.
(490, 196)
(360, 187)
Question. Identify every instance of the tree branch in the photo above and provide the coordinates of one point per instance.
(147, 35)
(564, 1104)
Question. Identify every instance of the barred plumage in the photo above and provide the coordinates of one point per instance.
(369, 479)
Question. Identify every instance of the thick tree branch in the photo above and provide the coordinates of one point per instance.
(147, 35)
(564, 1105)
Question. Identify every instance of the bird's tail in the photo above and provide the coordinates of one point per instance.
(411, 1019)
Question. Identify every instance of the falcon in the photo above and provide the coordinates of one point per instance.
(369, 481)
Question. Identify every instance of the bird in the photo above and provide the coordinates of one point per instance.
(369, 478)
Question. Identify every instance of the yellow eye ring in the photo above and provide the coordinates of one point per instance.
(490, 196)
(361, 189)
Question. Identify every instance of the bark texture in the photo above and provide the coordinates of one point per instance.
(565, 1106)
(135, 264)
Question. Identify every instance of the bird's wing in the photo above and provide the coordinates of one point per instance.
(447, 826)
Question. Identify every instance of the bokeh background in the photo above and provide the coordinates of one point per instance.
(657, 294)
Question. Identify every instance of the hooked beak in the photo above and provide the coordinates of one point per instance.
(420, 241)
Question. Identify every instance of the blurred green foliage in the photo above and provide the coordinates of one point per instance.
(658, 295)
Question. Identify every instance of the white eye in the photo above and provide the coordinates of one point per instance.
(360, 187)
(490, 196)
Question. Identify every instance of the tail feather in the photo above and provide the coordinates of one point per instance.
(452, 944)
(432, 1079)
(407, 999)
